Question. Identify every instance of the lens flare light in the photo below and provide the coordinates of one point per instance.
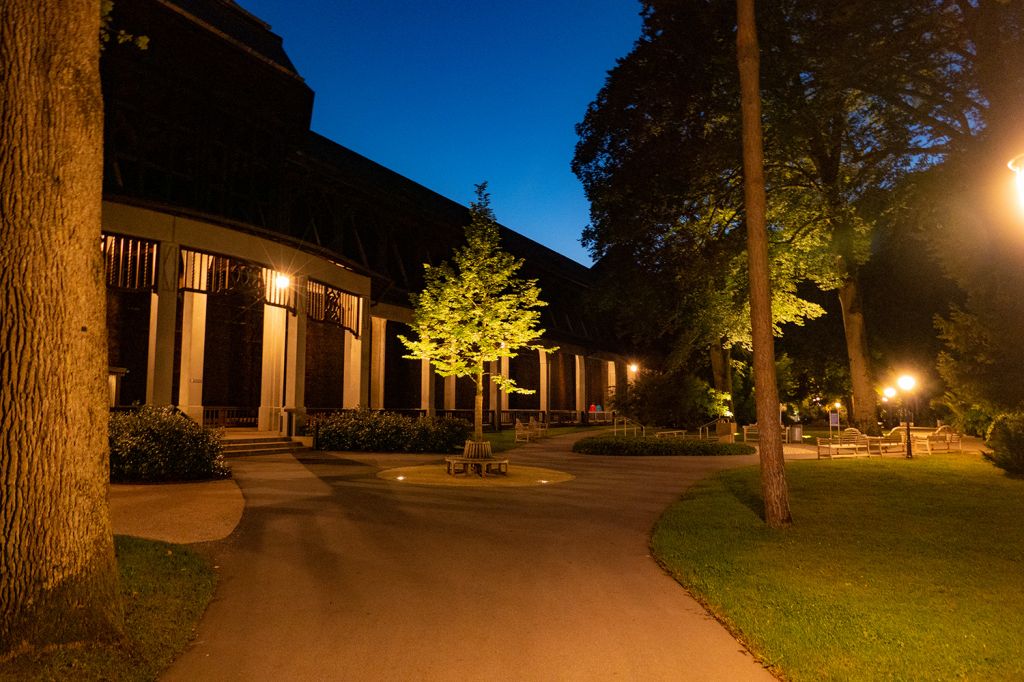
(1017, 166)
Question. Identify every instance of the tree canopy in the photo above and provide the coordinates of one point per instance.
(476, 311)
(855, 97)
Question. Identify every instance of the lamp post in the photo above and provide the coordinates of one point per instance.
(906, 384)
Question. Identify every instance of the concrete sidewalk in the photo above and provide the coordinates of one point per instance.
(337, 574)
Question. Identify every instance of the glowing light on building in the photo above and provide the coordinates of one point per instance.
(1017, 166)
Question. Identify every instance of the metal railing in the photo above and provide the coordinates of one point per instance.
(627, 425)
(704, 430)
(230, 417)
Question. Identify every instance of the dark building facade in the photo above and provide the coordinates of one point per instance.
(257, 270)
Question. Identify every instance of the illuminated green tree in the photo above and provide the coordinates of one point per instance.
(475, 311)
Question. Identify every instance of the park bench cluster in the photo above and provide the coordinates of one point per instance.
(852, 443)
(532, 430)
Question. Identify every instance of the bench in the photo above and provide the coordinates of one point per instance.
(476, 458)
(538, 427)
(843, 447)
(753, 432)
(943, 439)
(525, 433)
(883, 444)
(480, 465)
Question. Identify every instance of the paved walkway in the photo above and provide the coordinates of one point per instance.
(336, 574)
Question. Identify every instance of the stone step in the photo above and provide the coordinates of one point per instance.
(255, 441)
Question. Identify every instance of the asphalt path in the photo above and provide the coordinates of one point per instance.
(336, 574)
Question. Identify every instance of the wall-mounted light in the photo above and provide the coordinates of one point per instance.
(282, 281)
(1017, 166)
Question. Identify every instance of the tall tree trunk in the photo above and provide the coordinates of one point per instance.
(721, 369)
(478, 406)
(58, 576)
(863, 413)
(773, 473)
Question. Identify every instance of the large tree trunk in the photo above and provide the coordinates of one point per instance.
(863, 412)
(721, 369)
(773, 473)
(58, 577)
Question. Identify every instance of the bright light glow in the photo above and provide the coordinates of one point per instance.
(633, 367)
(838, 405)
(282, 281)
(399, 478)
(542, 481)
(889, 392)
(906, 383)
(1017, 166)
(885, 398)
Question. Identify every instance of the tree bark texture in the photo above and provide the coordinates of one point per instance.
(863, 413)
(773, 473)
(478, 407)
(58, 577)
(721, 370)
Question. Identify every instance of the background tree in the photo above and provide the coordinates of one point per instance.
(773, 472)
(670, 399)
(58, 578)
(853, 101)
(477, 311)
(659, 157)
(964, 214)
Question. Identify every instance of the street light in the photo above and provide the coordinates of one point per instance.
(907, 384)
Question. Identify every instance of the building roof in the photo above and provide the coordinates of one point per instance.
(213, 121)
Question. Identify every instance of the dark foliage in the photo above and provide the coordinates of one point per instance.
(638, 447)
(154, 444)
(670, 399)
(1006, 438)
(388, 432)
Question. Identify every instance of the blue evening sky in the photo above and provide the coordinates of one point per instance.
(452, 92)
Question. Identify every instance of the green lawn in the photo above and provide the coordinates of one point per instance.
(166, 589)
(893, 569)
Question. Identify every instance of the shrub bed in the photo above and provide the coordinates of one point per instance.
(157, 444)
(1006, 438)
(634, 446)
(388, 432)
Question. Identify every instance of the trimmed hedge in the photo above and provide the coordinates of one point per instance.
(631, 446)
(1006, 438)
(388, 432)
(160, 444)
